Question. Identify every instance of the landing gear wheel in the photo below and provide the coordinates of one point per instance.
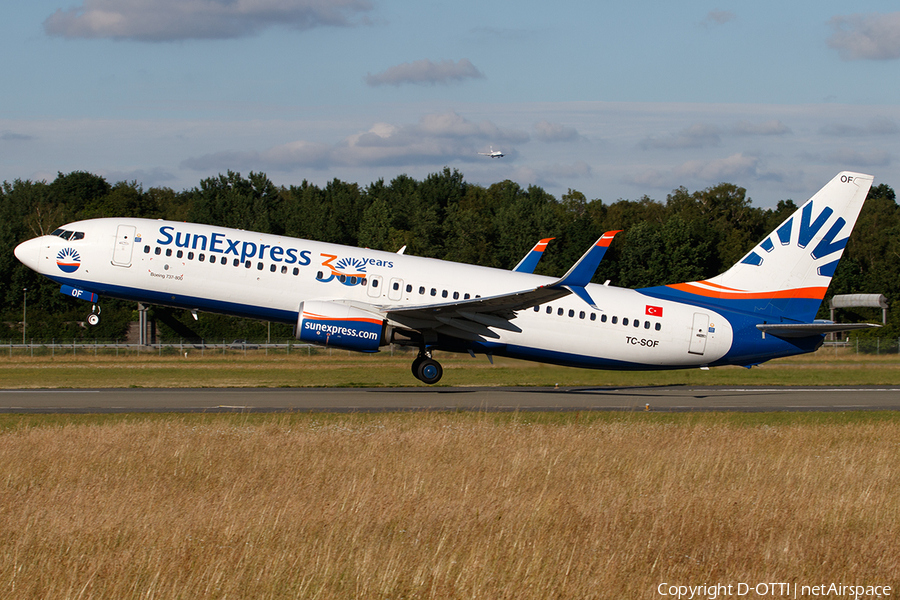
(93, 319)
(429, 371)
(416, 363)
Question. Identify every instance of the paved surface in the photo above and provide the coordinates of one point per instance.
(675, 398)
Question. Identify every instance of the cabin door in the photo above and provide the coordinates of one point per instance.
(124, 246)
(699, 332)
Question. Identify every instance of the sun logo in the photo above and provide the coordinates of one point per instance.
(68, 260)
(350, 266)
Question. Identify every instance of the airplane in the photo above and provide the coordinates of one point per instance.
(763, 307)
(493, 153)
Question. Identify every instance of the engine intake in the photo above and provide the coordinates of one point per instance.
(340, 326)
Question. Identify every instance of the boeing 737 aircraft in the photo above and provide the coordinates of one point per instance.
(763, 307)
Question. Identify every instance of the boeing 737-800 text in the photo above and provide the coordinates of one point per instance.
(763, 307)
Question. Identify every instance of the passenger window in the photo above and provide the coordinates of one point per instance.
(396, 285)
(422, 289)
(466, 297)
(146, 249)
(549, 310)
(560, 311)
(284, 269)
(444, 294)
(581, 315)
(168, 252)
(272, 267)
(571, 313)
(408, 288)
(537, 309)
(434, 291)
(236, 262)
(158, 251)
(593, 316)
(646, 324)
(190, 256)
(259, 266)
(225, 261)
(296, 271)
(637, 322)
(658, 326)
(374, 281)
(615, 320)
(179, 254)
(603, 318)
(624, 321)
(247, 264)
(201, 257)
(456, 295)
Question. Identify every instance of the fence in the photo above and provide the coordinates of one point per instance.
(204, 348)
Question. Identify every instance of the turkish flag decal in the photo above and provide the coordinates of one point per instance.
(654, 311)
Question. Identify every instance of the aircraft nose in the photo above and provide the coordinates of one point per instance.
(29, 253)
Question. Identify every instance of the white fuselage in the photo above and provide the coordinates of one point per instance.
(267, 277)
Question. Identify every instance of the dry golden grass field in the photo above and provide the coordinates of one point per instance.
(426, 505)
(430, 505)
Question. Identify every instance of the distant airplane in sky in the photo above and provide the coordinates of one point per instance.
(763, 307)
(493, 153)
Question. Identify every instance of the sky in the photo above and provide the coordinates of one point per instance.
(615, 100)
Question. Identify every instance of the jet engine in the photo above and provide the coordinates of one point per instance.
(340, 326)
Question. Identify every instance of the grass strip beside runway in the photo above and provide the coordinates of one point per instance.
(345, 369)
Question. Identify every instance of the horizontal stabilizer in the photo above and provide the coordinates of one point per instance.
(798, 330)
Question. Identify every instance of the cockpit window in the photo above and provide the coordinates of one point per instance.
(69, 235)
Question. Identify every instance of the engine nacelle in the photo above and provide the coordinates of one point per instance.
(340, 326)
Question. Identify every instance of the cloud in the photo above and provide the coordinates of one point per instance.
(845, 157)
(154, 177)
(719, 17)
(699, 171)
(437, 139)
(877, 126)
(425, 72)
(555, 132)
(10, 136)
(866, 37)
(172, 20)
(773, 127)
(699, 135)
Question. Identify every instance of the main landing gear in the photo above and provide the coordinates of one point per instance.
(426, 369)
(94, 317)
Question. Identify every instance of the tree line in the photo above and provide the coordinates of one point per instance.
(689, 236)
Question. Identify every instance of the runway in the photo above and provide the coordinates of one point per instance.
(661, 399)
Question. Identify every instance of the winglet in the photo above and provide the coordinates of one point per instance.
(530, 260)
(582, 271)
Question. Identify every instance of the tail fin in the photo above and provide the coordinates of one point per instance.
(786, 275)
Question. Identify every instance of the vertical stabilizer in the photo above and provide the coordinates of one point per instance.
(786, 275)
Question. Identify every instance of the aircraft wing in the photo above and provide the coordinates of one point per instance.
(471, 319)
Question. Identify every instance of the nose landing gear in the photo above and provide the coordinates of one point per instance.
(94, 317)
